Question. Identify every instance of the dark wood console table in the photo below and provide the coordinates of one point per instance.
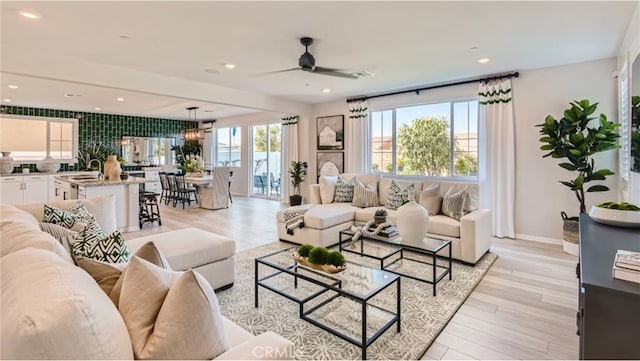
(609, 308)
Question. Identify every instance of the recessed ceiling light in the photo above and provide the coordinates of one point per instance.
(483, 60)
(120, 99)
(11, 86)
(30, 14)
(230, 66)
(71, 95)
(98, 108)
(7, 100)
(326, 90)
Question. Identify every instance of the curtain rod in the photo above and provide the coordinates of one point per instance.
(418, 90)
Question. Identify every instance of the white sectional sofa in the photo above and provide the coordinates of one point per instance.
(470, 236)
(53, 309)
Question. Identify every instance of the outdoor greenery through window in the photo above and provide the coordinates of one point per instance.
(439, 139)
(228, 148)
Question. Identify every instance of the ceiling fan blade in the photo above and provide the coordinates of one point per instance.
(277, 71)
(333, 72)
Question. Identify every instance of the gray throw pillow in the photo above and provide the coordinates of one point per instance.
(453, 203)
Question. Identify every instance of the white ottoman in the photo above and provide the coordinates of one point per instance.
(212, 255)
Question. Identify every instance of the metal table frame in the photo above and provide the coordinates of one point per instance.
(331, 285)
(398, 247)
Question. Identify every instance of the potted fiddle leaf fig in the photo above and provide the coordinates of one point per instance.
(574, 139)
(297, 170)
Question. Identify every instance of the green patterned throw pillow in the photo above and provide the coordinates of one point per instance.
(93, 243)
(67, 219)
(344, 190)
(398, 195)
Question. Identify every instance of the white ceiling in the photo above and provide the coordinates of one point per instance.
(76, 47)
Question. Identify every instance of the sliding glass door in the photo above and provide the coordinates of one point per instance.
(267, 153)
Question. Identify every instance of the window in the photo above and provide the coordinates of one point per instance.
(439, 139)
(32, 139)
(228, 152)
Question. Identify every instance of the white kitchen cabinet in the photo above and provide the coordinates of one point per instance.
(24, 189)
(122, 200)
(152, 173)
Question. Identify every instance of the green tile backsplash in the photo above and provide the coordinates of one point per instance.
(106, 128)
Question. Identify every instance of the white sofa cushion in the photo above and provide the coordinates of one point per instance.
(171, 315)
(444, 225)
(15, 236)
(53, 309)
(327, 188)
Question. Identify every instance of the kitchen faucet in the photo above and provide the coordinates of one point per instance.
(99, 166)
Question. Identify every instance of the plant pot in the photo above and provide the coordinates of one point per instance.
(295, 200)
(570, 235)
(379, 219)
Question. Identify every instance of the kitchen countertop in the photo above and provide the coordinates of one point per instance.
(100, 182)
(68, 173)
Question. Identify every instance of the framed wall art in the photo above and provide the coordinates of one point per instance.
(330, 163)
(330, 133)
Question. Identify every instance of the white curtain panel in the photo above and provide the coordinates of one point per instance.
(290, 153)
(357, 157)
(497, 163)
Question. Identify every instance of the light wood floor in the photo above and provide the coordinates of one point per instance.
(524, 308)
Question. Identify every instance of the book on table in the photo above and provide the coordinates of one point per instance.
(387, 232)
(628, 260)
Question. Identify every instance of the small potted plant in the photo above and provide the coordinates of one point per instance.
(380, 216)
(298, 171)
(320, 258)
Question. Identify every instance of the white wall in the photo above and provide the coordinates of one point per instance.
(537, 93)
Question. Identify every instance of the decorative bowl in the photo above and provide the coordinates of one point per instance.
(615, 217)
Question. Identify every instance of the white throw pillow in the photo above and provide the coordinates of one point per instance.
(171, 315)
(327, 188)
(431, 199)
(54, 310)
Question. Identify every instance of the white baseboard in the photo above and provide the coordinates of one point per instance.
(528, 237)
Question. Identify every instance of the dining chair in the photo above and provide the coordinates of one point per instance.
(173, 189)
(166, 191)
(184, 192)
(220, 184)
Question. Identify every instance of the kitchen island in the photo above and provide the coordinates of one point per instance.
(126, 194)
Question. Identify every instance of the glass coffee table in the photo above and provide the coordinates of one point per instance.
(390, 251)
(352, 304)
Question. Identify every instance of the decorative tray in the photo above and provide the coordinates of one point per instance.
(329, 268)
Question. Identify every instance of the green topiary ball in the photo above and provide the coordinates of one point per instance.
(318, 255)
(303, 250)
(336, 258)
